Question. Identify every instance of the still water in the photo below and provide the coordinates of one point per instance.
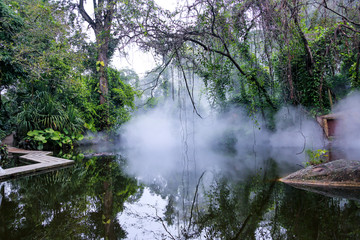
(102, 198)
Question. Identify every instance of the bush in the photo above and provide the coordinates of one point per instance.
(316, 156)
(43, 112)
(49, 138)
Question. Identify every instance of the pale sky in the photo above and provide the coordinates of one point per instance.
(137, 60)
(169, 4)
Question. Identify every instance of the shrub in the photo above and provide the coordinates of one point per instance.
(43, 112)
(50, 138)
(316, 156)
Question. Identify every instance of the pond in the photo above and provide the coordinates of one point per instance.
(14, 161)
(117, 197)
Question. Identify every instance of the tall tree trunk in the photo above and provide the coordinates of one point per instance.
(289, 70)
(290, 79)
(289, 57)
(356, 82)
(101, 24)
(310, 63)
(102, 60)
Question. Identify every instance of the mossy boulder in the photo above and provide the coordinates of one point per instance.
(339, 178)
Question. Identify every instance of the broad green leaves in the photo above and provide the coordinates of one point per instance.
(53, 138)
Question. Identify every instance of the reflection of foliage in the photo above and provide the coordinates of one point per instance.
(81, 201)
(307, 215)
(243, 209)
(84, 201)
(50, 204)
(235, 210)
(170, 211)
(240, 210)
(226, 143)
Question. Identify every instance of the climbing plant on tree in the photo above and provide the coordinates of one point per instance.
(114, 23)
(263, 52)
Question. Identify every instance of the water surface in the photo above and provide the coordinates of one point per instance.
(235, 198)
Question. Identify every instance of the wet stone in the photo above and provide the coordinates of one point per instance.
(339, 178)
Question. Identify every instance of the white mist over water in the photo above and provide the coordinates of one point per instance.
(171, 137)
(168, 139)
(347, 130)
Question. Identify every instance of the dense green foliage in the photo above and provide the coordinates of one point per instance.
(265, 54)
(49, 137)
(48, 81)
(257, 55)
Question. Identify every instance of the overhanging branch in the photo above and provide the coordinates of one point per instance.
(249, 77)
(324, 4)
(187, 86)
(85, 15)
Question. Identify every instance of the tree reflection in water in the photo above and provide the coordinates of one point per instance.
(96, 200)
(79, 202)
(255, 206)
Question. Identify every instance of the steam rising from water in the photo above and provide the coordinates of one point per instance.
(153, 141)
(348, 128)
(167, 139)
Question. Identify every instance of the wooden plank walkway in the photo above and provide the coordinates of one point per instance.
(43, 162)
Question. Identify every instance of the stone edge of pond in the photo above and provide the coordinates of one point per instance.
(313, 183)
(43, 163)
(335, 174)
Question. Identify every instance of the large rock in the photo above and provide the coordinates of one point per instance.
(339, 178)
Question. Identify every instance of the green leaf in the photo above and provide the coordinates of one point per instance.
(80, 137)
(39, 138)
(55, 138)
(34, 133)
(49, 130)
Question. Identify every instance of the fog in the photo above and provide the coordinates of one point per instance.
(347, 130)
(171, 137)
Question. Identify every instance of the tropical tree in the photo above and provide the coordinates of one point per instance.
(47, 70)
(114, 23)
(10, 24)
(263, 53)
(43, 48)
(102, 26)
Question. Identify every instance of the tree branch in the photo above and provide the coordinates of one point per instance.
(338, 14)
(85, 15)
(310, 58)
(249, 77)
(257, 212)
(187, 85)
(161, 72)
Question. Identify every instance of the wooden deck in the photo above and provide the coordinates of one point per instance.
(43, 162)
